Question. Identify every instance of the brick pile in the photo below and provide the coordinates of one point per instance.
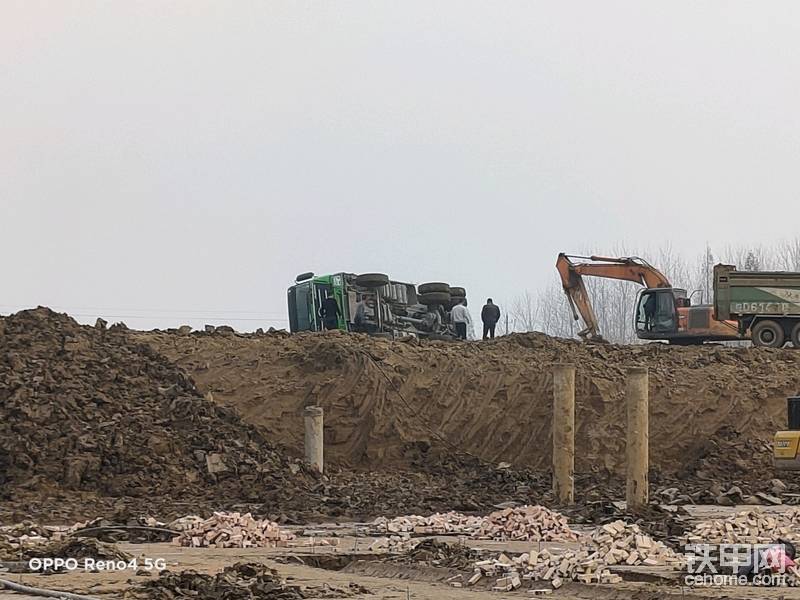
(526, 523)
(616, 543)
(625, 543)
(232, 530)
(436, 524)
(554, 568)
(19, 539)
(748, 527)
(394, 544)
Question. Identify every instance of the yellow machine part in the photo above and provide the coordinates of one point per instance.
(785, 446)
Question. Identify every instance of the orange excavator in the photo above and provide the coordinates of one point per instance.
(662, 312)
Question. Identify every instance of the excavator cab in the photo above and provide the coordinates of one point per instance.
(656, 313)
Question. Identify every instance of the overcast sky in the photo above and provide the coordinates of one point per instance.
(169, 162)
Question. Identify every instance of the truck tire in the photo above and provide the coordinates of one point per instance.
(372, 280)
(458, 291)
(434, 298)
(796, 335)
(769, 334)
(455, 300)
(436, 286)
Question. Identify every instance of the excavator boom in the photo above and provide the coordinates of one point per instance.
(625, 268)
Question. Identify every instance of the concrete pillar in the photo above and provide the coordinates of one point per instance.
(638, 445)
(564, 433)
(312, 415)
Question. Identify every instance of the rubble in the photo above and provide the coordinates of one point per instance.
(615, 543)
(78, 548)
(748, 527)
(393, 544)
(242, 581)
(439, 554)
(16, 540)
(29, 540)
(92, 412)
(122, 526)
(231, 530)
(527, 523)
(438, 480)
(624, 543)
(436, 524)
(668, 524)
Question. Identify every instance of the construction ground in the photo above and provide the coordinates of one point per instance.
(179, 457)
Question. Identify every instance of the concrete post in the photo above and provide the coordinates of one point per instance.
(312, 415)
(638, 444)
(564, 433)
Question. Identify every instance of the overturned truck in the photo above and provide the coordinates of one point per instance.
(373, 303)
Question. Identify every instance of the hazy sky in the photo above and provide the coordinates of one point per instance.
(185, 160)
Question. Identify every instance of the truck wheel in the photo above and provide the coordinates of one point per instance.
(454, 300)
(372, 280)
(458, 291)
(434, 298)
(769, 334)
(796, 335)
(436, 286)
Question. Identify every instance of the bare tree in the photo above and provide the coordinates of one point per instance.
(524, 312)
(787, 255)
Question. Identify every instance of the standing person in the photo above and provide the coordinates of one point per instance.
(460, 316)
(490, 315)
(330, 312)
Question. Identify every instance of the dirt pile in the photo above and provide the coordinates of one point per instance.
(438, 554)
(93, 422)
(92, 411)
(386, 401)
(441, 483)
(242, 581)
(78, 549)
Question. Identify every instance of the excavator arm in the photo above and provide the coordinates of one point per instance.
(625, 268)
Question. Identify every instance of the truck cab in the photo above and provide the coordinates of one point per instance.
(305, 298)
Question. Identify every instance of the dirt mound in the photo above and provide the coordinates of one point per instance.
(460, 483)
(78, 549)
(91, 411)
(242, 581)
(384, 399)
(93, 422)
(439, 554)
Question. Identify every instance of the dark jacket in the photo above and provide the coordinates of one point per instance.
(490, 313)
(329, 311)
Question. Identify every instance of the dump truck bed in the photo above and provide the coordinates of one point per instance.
(740, 294)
